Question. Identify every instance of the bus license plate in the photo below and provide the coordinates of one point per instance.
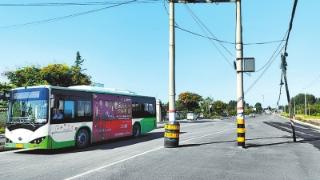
(19, 145)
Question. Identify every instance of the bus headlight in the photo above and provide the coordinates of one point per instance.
(38, 140)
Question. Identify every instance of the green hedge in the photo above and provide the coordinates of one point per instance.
(3, 118)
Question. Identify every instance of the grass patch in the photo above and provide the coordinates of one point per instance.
(285, 114)
(303, 117)
(307, 118)
(3, 119)
(315, 120)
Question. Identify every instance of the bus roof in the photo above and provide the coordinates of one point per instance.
(85, 88)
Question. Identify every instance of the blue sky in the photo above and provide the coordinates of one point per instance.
(127, 47)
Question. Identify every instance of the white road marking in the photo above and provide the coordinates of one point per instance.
(134, 156)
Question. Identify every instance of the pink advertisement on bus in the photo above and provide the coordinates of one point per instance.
(112, 117)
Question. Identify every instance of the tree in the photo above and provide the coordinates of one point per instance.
(52, 74)
(189, 101)
(78, 77)
(57, 75)
(232, 107)
(300, 99)
(26, 76)
(258, 107)
(4, 87)
(205, 106)
(219, 107)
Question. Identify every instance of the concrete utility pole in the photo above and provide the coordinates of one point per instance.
(240, 94)
(172, 90)
(172, 129)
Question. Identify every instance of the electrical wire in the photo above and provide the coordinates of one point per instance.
(206, 30)
(275, 51)
(97, 3)
(49, 20)
(216, 39)
(227, 42)
(291, 23)
(285, 54)
(269, 63)
(200, 23)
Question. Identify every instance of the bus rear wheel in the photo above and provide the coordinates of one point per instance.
(82, 138)
(136, 130)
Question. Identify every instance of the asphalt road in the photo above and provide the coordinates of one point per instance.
(207, 151)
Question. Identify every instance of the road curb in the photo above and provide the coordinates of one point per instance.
(301, 122)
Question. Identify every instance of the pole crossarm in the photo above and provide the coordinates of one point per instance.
(202, 1)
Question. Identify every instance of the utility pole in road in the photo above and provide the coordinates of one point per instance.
(240, 94)
(172, 90)
(172, 129)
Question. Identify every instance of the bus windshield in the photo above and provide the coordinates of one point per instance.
(29, 106)
(28, 111)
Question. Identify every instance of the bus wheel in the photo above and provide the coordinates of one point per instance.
(136, 130)
(82, 138)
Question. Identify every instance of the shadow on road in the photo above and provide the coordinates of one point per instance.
(195, 121)
(234, 141)
(306, 133)
(206, 143)
(111, 144)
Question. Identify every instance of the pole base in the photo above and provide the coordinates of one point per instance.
(171, 135)
(171, 143)
(242, 144)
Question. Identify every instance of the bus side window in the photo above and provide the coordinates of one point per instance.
(69, 109)
(84, 109)
(151, 109)
(57, 110)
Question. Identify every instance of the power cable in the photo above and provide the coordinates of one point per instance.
(228, 42)
(206, 30)
(97, 3)
(216, 39)
(291, 23)
(284, 70)
(275, 51)
(285, 54)
(66, 16)
(270, 62)
(196, 18)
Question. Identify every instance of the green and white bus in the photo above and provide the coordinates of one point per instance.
(50, 117)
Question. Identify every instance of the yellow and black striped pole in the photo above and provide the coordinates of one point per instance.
(239, 66)
(172, 129)
(241, 131)
(171, 134)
